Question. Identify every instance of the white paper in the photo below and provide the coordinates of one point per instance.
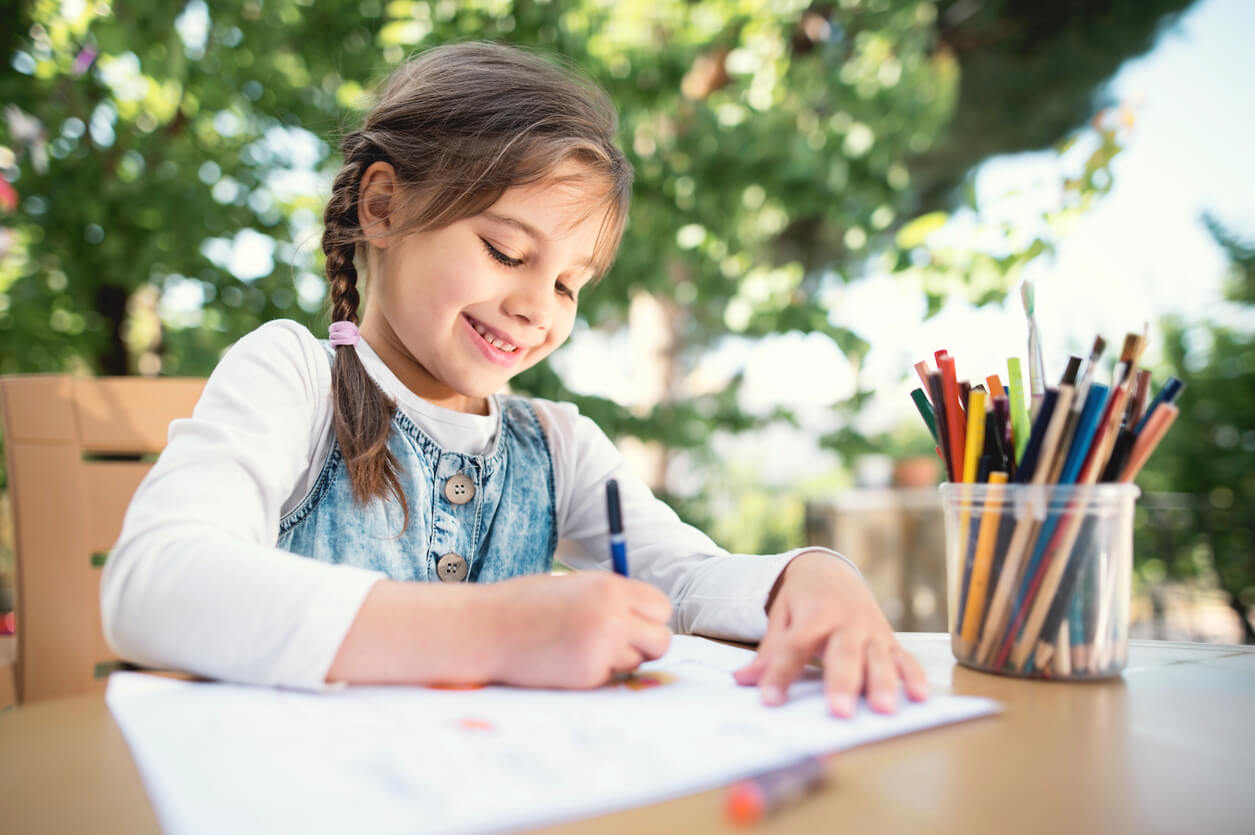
(228, 758)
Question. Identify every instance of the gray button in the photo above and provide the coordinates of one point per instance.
(451, 568)
(459, 489)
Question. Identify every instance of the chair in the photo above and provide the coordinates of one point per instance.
(76, 448)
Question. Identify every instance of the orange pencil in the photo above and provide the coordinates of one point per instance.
(995, 386)
(1149, 438)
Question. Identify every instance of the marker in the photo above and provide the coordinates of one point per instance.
(618, 545)
(749, 801)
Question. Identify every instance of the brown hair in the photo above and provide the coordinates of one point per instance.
(460, 124)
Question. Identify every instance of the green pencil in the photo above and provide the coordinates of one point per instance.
(925, 411)
(1019, 414)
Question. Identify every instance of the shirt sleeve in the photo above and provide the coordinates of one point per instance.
(195, 581)
(713, 592)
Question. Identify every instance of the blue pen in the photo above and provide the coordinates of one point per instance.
(618, 545)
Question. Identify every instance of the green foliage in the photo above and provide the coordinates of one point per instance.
(1031, 71)
(776, 146)
(989, 260)
(1210, 451)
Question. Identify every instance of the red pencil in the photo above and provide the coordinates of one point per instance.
(956, 422)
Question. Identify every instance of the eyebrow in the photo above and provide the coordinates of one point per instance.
(532, 232)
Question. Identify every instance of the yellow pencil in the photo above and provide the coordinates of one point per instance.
(974, 444)
(975, 434)
(978, 586)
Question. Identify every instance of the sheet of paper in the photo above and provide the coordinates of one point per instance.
(227, 758)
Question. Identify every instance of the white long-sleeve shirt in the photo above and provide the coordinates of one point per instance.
(196, 583)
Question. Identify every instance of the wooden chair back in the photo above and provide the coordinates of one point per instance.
(76, 449)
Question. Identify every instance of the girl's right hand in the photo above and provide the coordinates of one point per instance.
(576, 630)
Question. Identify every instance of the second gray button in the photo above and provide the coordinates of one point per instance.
(451, 568)
(459, 489)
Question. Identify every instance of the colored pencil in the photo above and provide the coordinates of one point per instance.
(956, 423)
(975, 442)
(1025, 529)
(921, 368)
(1019, 413)
(1036, 587)
(935, 389)
(988, 535)
(925, 411)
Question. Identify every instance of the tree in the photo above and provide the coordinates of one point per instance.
(147, 145)
(1209, 454)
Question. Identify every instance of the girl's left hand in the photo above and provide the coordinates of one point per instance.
(823, 610)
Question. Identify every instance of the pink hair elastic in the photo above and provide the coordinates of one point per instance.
(344, 333)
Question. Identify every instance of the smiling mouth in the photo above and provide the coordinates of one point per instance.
(499, 344)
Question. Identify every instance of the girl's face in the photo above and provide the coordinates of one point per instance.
(455, 312)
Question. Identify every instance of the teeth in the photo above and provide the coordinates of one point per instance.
(494, 341)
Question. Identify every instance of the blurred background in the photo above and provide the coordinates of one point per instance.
(826, 193)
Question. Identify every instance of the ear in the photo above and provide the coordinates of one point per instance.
(376, 198)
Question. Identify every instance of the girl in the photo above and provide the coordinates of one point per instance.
(368, 509)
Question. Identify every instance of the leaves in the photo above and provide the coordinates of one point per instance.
(171, 161)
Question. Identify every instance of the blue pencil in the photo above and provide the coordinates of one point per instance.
(618, 545)
(1091, 413)
(1086, 428)
(1171, 390)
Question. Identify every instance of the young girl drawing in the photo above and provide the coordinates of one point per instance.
(370, 509)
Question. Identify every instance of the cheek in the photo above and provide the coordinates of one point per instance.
(563, 323)
(559, 331)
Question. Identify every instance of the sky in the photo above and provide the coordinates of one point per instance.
(1142, 253)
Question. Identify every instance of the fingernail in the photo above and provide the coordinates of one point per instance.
(843, 704)
(886, 702)
(773, 694)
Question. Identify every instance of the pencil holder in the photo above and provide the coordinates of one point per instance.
(1038, 577)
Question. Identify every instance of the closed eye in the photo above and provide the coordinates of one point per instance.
(500, 257)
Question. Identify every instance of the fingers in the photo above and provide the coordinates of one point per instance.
(650, 640)
(777, 624)
(626, 660)
(843, 674)
(912, 674)
(783, 663)
(882, 679)
(750, 674)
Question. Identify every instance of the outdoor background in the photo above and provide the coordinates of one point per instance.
(825, 194)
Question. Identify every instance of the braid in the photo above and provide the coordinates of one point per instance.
(362, 411)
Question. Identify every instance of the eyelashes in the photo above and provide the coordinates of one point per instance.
(500, 257)
(506, 261)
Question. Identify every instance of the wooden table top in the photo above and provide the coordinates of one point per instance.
(1167, 747)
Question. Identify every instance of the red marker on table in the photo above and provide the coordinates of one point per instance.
(750, 800)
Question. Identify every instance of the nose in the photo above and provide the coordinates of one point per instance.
(529, 304)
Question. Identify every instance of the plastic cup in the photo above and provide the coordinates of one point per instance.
(1038, 577)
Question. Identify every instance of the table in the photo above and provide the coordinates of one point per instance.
(1167, 747)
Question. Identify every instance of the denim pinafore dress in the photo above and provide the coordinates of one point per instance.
(477, 518)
